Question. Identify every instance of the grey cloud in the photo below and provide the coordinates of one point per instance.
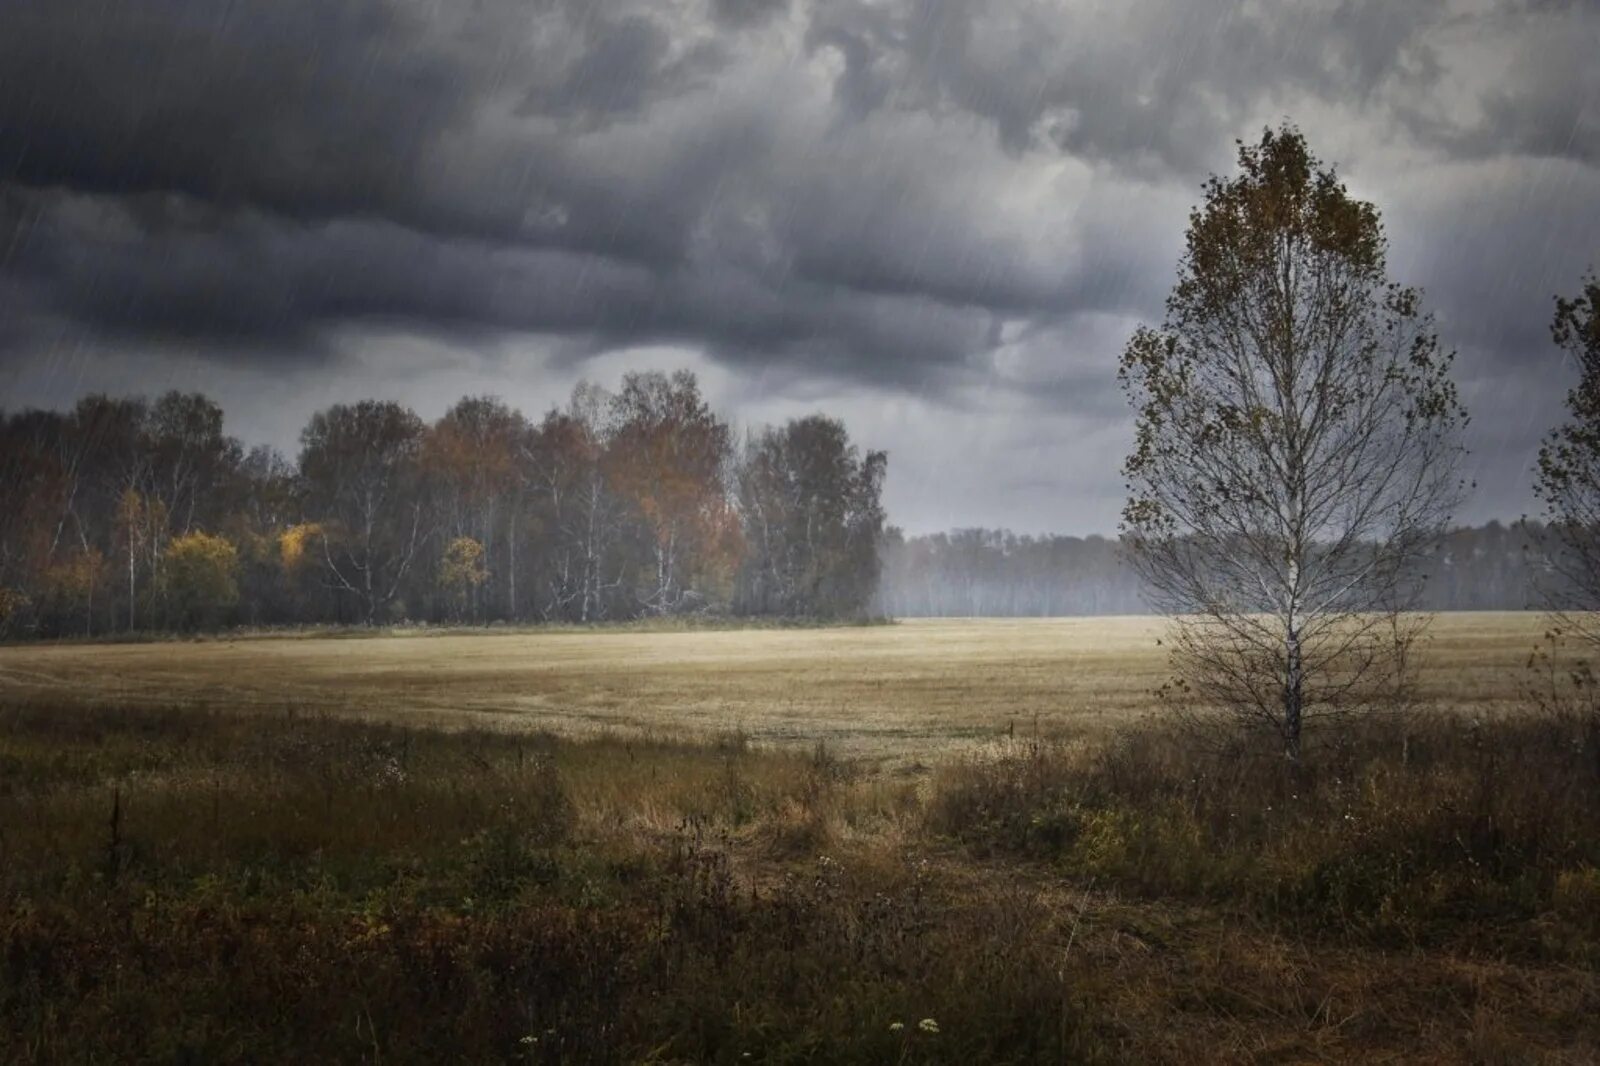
(1492, 242)
(744, 13)
(1540, 96)
(617, 67)
(594, 225)
(1158, 84)
(969, 202)
(556, 129)
(303, 108)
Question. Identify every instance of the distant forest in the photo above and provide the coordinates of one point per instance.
(125, 515)
(997, 573)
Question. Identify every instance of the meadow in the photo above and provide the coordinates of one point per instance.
(913, 689)
(927, 842)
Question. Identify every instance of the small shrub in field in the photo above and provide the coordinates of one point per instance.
(200, 580)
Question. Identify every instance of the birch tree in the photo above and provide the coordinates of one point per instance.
(811, 505)
(470, 457)
(1296, 448)
(188, 458)
(563, 470)
(1568, 480)
(360, 464)
(668, 460)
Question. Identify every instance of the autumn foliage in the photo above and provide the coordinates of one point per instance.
(125, 515)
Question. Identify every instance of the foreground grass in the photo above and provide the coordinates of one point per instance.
(205, 887)
(178, 885)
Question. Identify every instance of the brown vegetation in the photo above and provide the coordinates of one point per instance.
(914, 690)
(127, 517)
(191, 885)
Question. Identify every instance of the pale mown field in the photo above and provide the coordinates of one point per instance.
(908, 690)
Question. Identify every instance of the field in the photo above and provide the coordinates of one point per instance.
(928, 842)
(916, 689)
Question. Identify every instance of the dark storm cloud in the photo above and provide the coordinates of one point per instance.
(1145, 84)
(216, 142)
(746, 12)
(958, 200)
(255, 173)
(306, 109)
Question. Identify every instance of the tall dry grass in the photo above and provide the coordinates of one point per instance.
(183, 885)
(1414, 832)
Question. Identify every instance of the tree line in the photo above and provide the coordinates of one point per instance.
(124, 514)
(995, 573)
(979, 573)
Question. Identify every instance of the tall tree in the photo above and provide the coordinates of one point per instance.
(1568, 481)
(360, 463)
(668, 458)
(263, 502)
(470, 456)
(1296, 447)
(190, 459)
(141, 541)
(813, 518)
(34, 502)
(110, 461)
(563, 466)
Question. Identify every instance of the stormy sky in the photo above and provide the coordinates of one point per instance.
(937, 220)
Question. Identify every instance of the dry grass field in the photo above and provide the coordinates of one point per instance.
(628, 846)
(913, 689)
